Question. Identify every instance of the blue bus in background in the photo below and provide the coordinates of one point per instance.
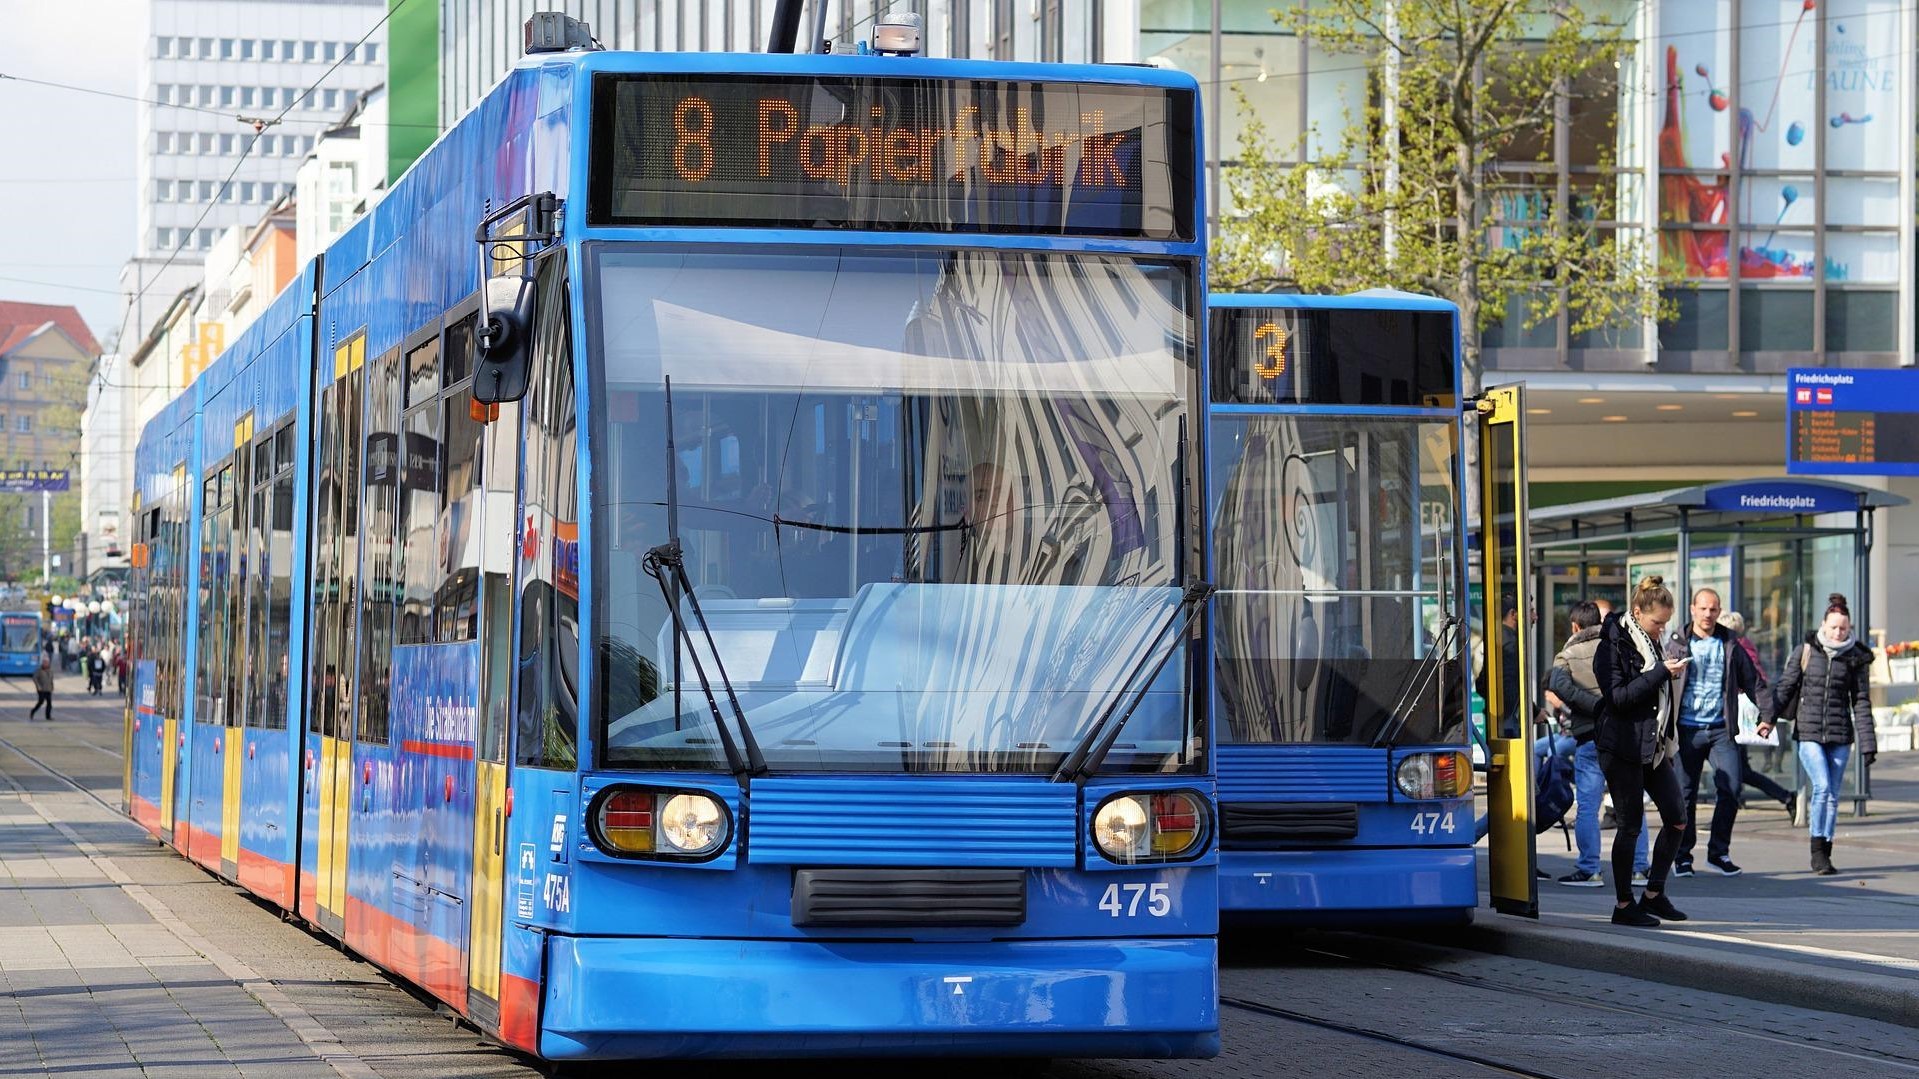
(20, 642)
(1341, 681)
(711, 565)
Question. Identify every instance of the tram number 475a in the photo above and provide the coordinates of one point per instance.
(1127, 899)
(1433, 823)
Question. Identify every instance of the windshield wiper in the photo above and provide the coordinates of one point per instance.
(743, 757)
(1098, 740)
(1418, 682)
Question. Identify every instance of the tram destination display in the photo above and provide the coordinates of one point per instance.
(1852, 422)
(973, 155)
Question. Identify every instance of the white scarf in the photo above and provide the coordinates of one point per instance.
(1667, 745)
(1832, 647)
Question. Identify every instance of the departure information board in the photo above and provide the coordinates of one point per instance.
(972, 155)
(1852, 422)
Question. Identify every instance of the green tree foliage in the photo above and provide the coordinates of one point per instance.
(1403, 196)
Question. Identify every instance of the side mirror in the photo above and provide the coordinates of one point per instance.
(503, 353)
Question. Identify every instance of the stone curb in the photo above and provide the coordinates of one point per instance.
(1754, 972)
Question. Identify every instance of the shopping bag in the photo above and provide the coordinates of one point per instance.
(1749, 727)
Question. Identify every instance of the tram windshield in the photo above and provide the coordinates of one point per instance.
(1335, 551)
(929, 503)
(19, 634)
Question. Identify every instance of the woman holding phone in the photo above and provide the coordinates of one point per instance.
(1638, 738)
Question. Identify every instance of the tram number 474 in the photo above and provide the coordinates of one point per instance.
(1433, 823)
(1126, 899)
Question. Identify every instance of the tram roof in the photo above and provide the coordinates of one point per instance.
(837, 64)
(1767, 502)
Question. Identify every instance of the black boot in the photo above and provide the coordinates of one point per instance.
(1821, 861)
(1826, 868)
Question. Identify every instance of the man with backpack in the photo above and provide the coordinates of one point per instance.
(1572, 681)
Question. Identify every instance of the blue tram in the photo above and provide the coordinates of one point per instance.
(710, 565)
(1340, 699)
(20, 641)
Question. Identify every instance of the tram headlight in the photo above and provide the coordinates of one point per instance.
(1150, 826)
(692, 824)
(1427, 776)
(670, 825)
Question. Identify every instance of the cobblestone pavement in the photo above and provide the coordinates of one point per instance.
(119, 958)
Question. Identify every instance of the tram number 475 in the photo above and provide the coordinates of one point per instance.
(1433, 823)
(1126, 899)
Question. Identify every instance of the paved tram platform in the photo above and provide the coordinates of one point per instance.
(1776, 932)
(119, 958)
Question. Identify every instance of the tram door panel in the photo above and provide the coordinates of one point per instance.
(1504, 618)
(337, 551)
(499, 513)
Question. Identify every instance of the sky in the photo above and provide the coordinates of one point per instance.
(66, 158)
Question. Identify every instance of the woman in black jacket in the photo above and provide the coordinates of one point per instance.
(1637, 735)
(1829, 680)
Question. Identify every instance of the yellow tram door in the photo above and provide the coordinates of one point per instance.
(1505, 617)
(499, 512)
(339, 651)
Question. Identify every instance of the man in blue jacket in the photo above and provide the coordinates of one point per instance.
(1708, 693)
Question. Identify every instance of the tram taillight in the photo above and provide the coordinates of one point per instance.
(1427, 776)
(672, 825)
(1150, 826)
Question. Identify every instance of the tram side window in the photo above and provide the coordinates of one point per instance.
(548, 718)
(323, 649)
(240, 560)
(420, 494)
(279, 627)
(457, 599)
(377, 598)
(209, 670)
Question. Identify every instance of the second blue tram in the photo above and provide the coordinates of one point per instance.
(20, 641)
(743, 604)
(1340, 697)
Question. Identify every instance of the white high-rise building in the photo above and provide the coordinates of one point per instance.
(212, 69)
(214, 65)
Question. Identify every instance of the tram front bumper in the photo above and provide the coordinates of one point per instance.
(609, 998)
(1337, 886)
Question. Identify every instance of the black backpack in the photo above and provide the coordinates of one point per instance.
(1552, 791)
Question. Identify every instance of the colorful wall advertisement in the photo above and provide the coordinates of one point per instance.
(1776, 119)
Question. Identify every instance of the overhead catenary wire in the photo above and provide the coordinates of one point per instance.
(106, 362)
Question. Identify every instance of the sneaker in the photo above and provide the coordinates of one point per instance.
(1640, 879)
(1682, 869)
(1579, 878)
(1662, 907)
(1724, 865)
(1632, 915)
(1540, 874)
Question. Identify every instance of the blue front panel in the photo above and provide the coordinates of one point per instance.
(904, 821)
(1405, 855)
(619, 998)
(19, 663)
(1303, 887)
(1301, 773)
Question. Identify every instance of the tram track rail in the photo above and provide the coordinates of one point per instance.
(1358, 956)
(1273, 1011)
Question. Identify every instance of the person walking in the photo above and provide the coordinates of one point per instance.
(43, 690)
(1735, 624)
(1825, 688)
(1716, 673)
(96, 669)
(1573, 682)
(1637, 735)
(120, 670)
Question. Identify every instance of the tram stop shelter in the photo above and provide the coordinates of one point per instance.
(1772, 548)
